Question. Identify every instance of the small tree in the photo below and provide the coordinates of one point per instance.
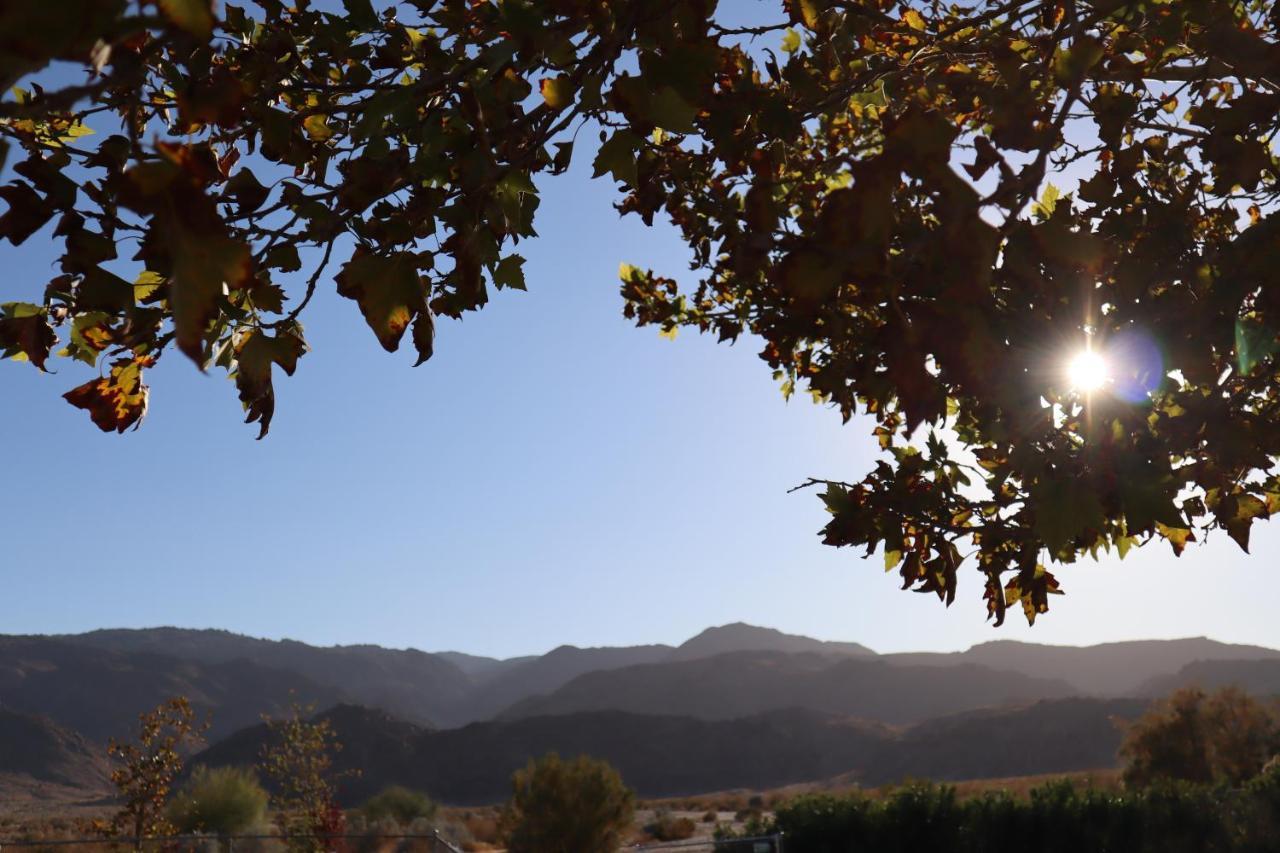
(148, 768)
(1226, 736)
(298, 760)
(400, 804)
(224, 800)
(576, 806)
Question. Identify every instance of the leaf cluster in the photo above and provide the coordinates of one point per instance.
(869, 203)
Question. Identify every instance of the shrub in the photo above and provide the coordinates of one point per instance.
(399, 804)
(225, 801)
(668, 827)
(578, 805)
(709, 817)
(1226, 736)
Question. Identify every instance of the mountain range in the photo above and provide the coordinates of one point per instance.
(734, 706)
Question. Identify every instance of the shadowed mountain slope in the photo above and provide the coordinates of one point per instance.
(742, 683)
(34, 749)
(100, 693)
(672, 756)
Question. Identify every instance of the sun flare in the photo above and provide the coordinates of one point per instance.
(1087, 371)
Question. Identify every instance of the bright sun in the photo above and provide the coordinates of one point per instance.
(1087, 371)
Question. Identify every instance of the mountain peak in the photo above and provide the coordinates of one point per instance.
(742, 637)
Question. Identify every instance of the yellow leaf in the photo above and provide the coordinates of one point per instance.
(557, 91)
(669, 334)
(914, 20)
(317, 127)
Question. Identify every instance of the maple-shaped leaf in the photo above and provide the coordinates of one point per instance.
(388, 290)
(256, 353)
(116, 401)
(25, 330)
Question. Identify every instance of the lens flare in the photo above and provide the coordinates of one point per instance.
(1088, 371)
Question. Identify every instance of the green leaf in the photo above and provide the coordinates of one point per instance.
(510, 273)
(617, 157)
(790, 41)
(254, 359)
(1066, 509)
(669, 111)
(203, 264)
(1254, 344)
(388, 290)
(194, 16)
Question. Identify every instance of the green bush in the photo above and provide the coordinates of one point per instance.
(399, 804)
(1057, 818)
(224, 801)
(570, 806)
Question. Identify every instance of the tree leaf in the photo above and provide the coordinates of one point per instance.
(510, 273)
(617, 157)
(388, 290)
(557, 91)
(257, 352)
(194, 16)
(25, 329)
(204, 265)
(116, 401)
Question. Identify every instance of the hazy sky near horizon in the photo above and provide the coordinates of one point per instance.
(553, 475)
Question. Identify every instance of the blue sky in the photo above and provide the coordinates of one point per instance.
(552, 476)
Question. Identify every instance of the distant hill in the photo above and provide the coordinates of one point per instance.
(480, 668)
(97, 682)
(741, 637)
(100, 693)
(541, 675)
(415, 685)
(1259, 677)
(672, 756)
(1107, 669)
(743, 683)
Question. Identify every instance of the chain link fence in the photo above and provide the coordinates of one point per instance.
(759, 844)
(432, 842)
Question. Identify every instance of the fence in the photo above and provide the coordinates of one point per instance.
(759, 844)
(433, 842)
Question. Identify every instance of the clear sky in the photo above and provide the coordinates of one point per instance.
(552, 476)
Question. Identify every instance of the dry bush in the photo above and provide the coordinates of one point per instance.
(667, 827)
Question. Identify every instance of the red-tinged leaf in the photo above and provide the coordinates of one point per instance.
(25, 329)
(117, 401)
(388, 290)
(557, 91)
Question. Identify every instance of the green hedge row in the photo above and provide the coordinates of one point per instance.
(1057, 818)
